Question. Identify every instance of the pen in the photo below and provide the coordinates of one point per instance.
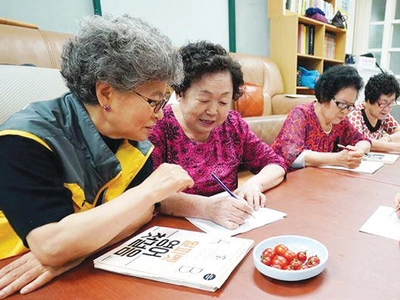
(215, 177)
(348, 149)
(395, 209)
(345, 148)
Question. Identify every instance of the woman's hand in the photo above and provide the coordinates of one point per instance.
(397, 204)
(167, 180)
(251, 192)
(228, 211)
(26, 274)
(350, 158)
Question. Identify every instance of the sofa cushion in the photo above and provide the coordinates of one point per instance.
(21, 85)
(251, 103)
(266, 127)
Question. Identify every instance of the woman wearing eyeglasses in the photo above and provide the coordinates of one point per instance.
(373, 119)
(75, 172)
(314, 134)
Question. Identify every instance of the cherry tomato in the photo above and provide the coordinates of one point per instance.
(302, 256)
(266, 260)
(277, 267)
(296, 264)
(279, 260)
(280, 249)
(268, 252)
(289, 267)
(313, 261)
(289, 255)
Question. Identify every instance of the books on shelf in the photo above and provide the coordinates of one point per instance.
(305, 39)
(330, 45)
(385, 158)
(176, 256)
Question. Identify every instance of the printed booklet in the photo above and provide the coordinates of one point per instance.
(182, 257)
(386, 158)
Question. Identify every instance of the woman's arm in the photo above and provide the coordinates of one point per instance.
(80, 234)
(253, 189)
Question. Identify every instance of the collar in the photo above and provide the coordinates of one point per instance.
(369, 126)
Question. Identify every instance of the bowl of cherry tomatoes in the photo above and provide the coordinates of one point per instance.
(290, 257)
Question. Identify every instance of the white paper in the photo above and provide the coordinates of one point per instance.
(369, 167)
(383, 223)
(262, 217)
(382, 157)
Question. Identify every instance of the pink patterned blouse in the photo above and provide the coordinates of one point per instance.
(359, 120)
(228, 146)
(302, 131)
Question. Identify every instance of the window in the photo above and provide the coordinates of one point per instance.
(378, 21)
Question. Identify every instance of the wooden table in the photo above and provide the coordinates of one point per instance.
(328, 205)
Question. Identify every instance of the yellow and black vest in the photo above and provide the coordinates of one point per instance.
(90, 169)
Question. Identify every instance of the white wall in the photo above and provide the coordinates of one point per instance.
(50, 15)
(252, 27)
(181, 20)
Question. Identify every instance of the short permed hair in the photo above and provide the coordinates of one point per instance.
(125, 52)
(382, 83)
(204, 57)
(335, 79)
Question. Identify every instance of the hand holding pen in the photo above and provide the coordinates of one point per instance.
(215, 177)
(396, 208)
(352, 158)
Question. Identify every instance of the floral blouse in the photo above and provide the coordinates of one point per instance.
(360, 121)
(302, 131)
(228, 146)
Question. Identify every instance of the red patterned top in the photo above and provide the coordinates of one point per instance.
(302, 131)
(388, 124)
(229, 145)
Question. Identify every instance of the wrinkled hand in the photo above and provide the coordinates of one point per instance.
(251, 192)
(167, 180)
(228, 211)
(26, 274)
(397, 204)
(350, 159)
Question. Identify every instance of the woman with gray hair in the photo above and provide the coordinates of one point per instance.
(86, 152)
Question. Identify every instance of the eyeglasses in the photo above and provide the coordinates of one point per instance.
(342, 105)
(157, 104)
(385, 105)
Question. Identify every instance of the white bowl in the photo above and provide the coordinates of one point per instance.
(295, 243)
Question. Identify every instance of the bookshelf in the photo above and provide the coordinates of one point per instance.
(329, 44)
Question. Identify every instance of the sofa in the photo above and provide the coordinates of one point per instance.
(24, 44)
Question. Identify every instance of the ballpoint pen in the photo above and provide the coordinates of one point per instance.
(345, 148)
(348, 149)
(215, 177)
(395, 209)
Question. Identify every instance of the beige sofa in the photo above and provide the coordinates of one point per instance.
(20, 44)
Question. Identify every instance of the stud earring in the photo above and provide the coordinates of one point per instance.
(107, 108)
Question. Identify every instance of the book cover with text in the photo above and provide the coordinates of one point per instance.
(182, 257)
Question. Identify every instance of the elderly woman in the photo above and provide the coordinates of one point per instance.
(204, 136)
(314, 133)
(372, 118)
(86, 152)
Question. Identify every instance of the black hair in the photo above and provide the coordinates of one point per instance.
(383, 83)
(204, 57)
(335, 79)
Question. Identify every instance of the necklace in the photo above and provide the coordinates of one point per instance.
(329, 130)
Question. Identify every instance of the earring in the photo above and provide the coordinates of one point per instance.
(107, 108)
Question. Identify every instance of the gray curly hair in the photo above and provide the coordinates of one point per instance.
(125, 52)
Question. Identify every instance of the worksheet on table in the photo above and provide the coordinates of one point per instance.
(383, 222)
